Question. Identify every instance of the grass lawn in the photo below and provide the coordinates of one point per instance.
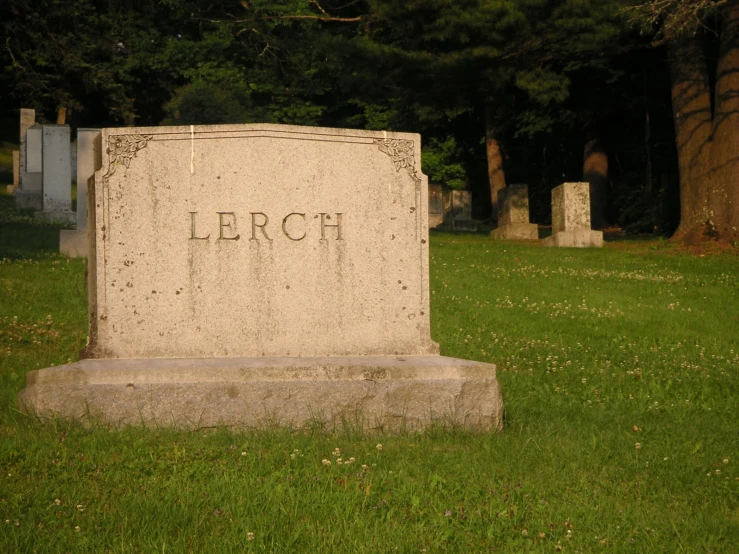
(620, 374)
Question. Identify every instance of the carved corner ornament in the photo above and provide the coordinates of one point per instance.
(122, 148)
(402, 154)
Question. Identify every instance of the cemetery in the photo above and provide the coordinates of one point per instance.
(369, 277)
(384, 414)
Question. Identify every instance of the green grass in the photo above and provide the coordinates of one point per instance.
(620, 374)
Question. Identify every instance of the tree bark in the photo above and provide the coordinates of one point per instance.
(723, 199)
(496, 174)
(595, 172)
(707, 143)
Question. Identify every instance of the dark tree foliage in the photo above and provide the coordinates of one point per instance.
(501, 91)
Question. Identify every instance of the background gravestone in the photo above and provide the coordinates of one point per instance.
(436, 205)
(571, 217)
(75, 243)
(249, 272)
(458, 211)
(31, 143)
(57, 174)
(16, 170)
(513, 215)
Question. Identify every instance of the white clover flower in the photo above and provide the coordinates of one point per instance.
(379, 447)
(250, 536)
(326, 462)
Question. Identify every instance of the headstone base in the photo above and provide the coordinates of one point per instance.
(25, 200)
(435, 220)
(74, 243)
(460, 225)
(57, 217)
(516, 231)
(388, 393)
(575, 239)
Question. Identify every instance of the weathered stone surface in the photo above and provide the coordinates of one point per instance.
(516, 231)
(571, 217)
(57, 175)
(34, 153)
(458, 211)
(513, 215)
(27, 119)
(75, 243)
(575, 239)
(252, 274)
(29, 195)
(89, 160)
(571, 207)
(260, 240)
(374, 392)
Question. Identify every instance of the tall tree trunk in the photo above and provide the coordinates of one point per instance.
(595, 172)
(723, 200)
(496, 175)
(707, 144)
(691, 108)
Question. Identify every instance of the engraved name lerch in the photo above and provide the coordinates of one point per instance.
(296, 226)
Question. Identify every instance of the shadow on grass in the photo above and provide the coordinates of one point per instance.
(22, 236)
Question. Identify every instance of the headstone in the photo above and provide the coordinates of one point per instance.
(29, 195)
(75, 243)
(458, 211)
(251, 274)
(27, 119)
(57, 175)
(513, 215)
(16, 169)
(436, 205)
(571, 217)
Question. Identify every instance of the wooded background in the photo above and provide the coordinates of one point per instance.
(641, 99)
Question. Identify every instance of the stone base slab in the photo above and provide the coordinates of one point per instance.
(575, 239)
(25, 200)
(57, 217)
(387, 393)
(74, 243)
(460, 225)
(516, 231)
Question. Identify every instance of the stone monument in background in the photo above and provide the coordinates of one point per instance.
(256, 274)
(571, 217)
(513, 215)
(16, 171)
(76, 243)
(458, 211)
(436, 205)
(56, 174)
(28, 194)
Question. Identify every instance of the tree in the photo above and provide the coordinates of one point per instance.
(498, 58)
(702, 38)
